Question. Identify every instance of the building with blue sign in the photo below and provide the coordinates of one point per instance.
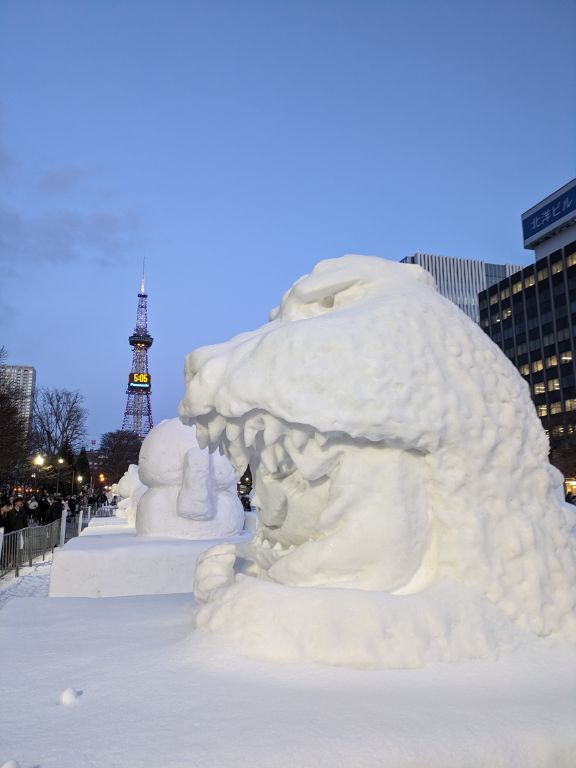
(531, 315)
(546, 226)
(461, 280)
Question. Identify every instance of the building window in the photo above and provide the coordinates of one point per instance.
(570, 405)
(556, 407)
(537, 366)
(539, 388)
(566, 357)
(543, 273)
(494, 299)
(530, 280)
(517, 287)
(542, 410)
(571, 260)
(506, 292)
(553, 385)
(506, 313)
(524, 369)
(550, 361)
(558, 267)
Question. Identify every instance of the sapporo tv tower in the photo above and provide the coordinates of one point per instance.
(138, 413)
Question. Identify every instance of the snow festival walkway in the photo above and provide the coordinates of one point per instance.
(126, 682)
(32, 582)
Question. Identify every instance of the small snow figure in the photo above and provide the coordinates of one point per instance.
(68, 697)
(10, 764)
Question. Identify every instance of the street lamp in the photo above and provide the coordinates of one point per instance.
(38, 461)
(60, 462)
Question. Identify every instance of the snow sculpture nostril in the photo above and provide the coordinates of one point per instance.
(401, 478)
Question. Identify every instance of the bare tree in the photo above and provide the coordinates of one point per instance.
(59, 421)
(118, 449)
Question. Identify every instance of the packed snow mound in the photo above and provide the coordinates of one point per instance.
(394, 448)
(69, 696)
(191, 493)
(130, 489)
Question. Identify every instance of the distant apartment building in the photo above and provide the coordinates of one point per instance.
(461, 280)
(23, 378)
(531, 316)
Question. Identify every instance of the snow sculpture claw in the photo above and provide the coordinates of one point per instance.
(214, 570)
(394, 449)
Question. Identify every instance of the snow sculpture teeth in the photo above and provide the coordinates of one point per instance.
(273, 430)
(268, 459)
(202, 435)
(216, 426)
(233, 430)
(299, 438)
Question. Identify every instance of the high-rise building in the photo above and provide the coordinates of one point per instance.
(531, 316)
(461, 280)
(22, 378)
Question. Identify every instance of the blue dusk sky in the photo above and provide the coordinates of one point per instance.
(235, 143)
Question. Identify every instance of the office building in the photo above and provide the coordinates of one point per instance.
(22, 378)
(461, 280)
(532, 314)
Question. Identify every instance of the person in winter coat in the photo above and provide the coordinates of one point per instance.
(43, 509)
(12, 518)
(55, 511)
(20, 513)
(33, 509)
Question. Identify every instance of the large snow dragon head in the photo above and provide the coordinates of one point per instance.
(391, 442)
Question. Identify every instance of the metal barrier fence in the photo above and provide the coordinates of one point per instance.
(22, 547)
(103, 511)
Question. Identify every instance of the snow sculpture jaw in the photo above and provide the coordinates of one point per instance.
(318, 499)
(393, 446)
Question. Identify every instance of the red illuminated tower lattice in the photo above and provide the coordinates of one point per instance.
(138, 413)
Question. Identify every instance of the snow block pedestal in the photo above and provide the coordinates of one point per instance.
(112, 561)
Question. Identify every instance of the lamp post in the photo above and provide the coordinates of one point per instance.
(60, 462)
(38, 461)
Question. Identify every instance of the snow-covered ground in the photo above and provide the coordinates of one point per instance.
(32, 582)
(148, 690)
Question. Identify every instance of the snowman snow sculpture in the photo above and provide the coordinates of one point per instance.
(130, 489)
(191, 492)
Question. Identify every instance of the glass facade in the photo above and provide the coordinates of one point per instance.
(531, 316)
(461, 280)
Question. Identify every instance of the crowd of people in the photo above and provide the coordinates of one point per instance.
(42, 508)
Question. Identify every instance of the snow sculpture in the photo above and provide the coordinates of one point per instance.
(191, 493)
(408, 512)
(131, 489)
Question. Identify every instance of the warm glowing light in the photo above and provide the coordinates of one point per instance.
(39, 460)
